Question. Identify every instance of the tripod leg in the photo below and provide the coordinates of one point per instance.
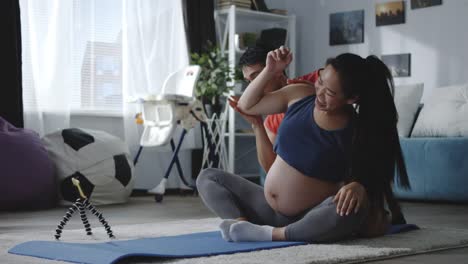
(103, 221)
(68, 215)
(84, 219)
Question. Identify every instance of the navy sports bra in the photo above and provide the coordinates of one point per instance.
(310, 149)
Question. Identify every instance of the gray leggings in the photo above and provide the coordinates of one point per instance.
(230, 196)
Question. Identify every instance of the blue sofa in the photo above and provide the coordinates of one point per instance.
(437, 169)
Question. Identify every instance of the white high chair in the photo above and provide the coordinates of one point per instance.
(162, 113)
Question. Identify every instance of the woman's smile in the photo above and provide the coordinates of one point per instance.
(319, 104)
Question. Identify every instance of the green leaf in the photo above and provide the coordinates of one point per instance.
(215, 73)
(195, 56)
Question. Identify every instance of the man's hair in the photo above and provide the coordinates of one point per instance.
(253, 55)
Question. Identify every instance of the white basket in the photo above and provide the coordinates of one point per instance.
(216, 128)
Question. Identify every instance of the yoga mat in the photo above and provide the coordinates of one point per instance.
(189, 245)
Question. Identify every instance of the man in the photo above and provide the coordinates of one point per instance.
(252, 63)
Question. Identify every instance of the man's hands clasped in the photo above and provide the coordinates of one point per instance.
(252, 119)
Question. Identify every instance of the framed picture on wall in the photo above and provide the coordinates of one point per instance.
(347, 27)
(415, 4)
(390, 13)
(398, 64)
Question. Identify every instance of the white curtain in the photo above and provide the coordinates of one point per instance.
(90, 56)
(154, 45)
(85, 59)
(47, 41)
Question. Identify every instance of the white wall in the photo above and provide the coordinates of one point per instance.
(436, 37)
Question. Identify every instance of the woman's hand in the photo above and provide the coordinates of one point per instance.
(350, 198)
(252, 119)
(278, 59)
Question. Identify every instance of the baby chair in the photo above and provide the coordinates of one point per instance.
(162, 113)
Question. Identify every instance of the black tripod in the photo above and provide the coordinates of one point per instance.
(81, 204)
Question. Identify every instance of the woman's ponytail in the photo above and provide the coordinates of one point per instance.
(382, 81)
(376, 154)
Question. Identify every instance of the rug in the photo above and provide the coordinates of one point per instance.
(425, 239)
(199, 244)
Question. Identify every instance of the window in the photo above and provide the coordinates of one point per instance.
(96, 55)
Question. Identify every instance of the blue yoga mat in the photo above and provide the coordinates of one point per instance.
(190, 245)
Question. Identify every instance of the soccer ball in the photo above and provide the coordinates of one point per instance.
(100, 161)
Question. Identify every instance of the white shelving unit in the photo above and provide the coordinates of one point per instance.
(229, 22)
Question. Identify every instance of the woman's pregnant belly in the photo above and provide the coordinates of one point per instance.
(290, 192)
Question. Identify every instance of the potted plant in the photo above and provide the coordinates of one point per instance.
(216, 78)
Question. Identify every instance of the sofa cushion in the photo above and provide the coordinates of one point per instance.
(444, 113)
(407, 99)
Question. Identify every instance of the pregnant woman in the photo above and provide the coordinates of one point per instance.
(342, 131)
